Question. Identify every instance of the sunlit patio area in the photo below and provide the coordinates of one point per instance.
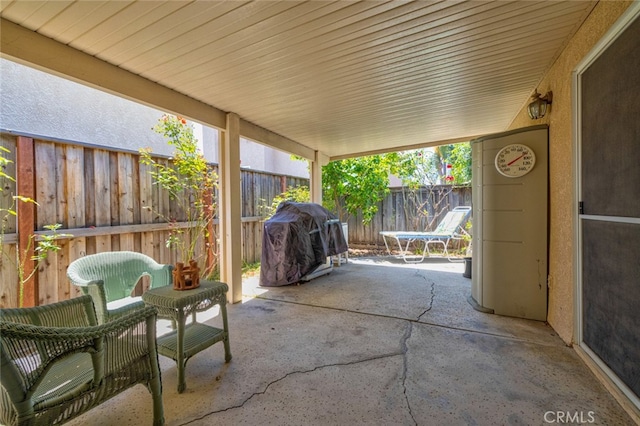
(375, 342)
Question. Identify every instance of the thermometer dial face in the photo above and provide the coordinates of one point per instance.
(515, 160)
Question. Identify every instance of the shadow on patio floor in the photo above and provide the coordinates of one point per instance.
(376, 342)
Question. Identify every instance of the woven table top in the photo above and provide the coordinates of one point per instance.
(167, 297)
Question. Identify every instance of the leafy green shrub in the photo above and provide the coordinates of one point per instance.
(299, 194)
(190, 182)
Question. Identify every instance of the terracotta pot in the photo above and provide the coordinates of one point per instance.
(186, 277)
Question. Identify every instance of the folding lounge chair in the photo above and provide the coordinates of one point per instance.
(450, 228)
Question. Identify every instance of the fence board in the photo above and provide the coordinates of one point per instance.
(162, 205)
(146, 213)
(46, 159)
(9, 273)
(8, 293)
(48, 168)
(74, 186)
(126, 195)
(102, 199)
(90, 192)
(77, 248)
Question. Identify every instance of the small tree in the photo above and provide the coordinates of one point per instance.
(361, 182)
(190, 182)
(437, 171)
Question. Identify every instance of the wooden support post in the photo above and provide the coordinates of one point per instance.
(25, 160)
(231, 209)
(316, 176)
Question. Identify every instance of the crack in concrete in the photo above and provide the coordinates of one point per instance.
(432, 294)
(405, 367)
(404, 349)
(333, 308)
(319, 367)
(431, 324)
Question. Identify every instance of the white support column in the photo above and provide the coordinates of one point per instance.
(231, 209)
(316, 176)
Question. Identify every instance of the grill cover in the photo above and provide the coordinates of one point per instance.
(296, 241)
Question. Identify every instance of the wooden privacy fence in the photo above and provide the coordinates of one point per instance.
(408, 210)
(100, 197)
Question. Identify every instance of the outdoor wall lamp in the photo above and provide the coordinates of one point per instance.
(538, 108)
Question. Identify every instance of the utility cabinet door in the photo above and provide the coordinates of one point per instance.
(510, 228)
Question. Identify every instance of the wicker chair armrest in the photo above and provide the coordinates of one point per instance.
(161, 272)
(74, 276)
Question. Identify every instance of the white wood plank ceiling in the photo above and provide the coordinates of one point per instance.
(340, 77)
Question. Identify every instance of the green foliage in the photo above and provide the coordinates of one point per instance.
(189, 180)
(361, 182)
(430, 165)
(425, 167)
(298, 194)
(250, 269)
(4, 162)
(47, 243)
(460, 159)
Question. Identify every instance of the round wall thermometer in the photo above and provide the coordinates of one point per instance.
(515, 160)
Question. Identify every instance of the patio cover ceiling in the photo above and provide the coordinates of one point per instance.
(342, 78)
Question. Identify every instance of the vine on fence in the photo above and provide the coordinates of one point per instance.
(47, 243)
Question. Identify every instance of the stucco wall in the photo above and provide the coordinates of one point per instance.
(562, 178)
(45, 105)
(42, 104)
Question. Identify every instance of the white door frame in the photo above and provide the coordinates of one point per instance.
(616, 29)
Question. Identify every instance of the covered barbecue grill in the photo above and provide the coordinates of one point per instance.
(296, 241)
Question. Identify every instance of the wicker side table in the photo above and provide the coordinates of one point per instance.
(189, 339)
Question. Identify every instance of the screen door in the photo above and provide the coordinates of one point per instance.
(609, 206)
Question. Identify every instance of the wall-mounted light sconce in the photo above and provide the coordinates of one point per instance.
(538, 108)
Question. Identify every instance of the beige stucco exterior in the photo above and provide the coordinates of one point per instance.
(562, 176)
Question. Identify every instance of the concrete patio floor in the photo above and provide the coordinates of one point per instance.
(376, 342)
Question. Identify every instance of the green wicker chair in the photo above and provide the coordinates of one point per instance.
(57, 363)
(111, 276)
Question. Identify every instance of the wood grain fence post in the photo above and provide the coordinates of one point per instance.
(210, 240)
(25, 160)
(283, 183)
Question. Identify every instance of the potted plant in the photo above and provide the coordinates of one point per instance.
(190, 182)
